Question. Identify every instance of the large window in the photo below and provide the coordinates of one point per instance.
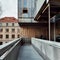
(7, 36)
(12, 24)
(25, 3)
(1, 30)
(1, 36)
(6, 24)
(13, 36)
(7, 30)
(25, 9)
(13, 30)
(1, 43)
(18, 36)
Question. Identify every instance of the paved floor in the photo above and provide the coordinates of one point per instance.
(27, 52)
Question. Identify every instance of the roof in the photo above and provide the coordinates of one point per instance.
(9, 19)
(43, 12)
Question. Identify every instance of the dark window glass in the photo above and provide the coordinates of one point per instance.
(7, 30)
(13, 30)
(12, 24)
(13, 36)
(6, 24)
(18, 36)
(25, 10)
(1, 36)
(7, 36)
(1, 30)
(1, 43)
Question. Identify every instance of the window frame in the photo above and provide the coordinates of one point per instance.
(13, 29)
(13, 36)
(1, 36)
(7, 35)
(1, 29)
(7, 30)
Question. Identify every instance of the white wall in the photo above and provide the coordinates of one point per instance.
(48, 48)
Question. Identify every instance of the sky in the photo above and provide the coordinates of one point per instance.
(9, 8)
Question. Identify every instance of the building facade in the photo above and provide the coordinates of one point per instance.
(26, 10)
(29, 27)
(9, 29)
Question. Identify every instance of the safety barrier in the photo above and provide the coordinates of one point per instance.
(49, 50)
(9, 51)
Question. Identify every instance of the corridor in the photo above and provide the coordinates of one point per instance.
(27, 52)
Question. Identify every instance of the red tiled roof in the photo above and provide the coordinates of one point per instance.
(8, 19)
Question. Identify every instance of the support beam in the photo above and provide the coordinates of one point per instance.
(49, 19)
(54, 32)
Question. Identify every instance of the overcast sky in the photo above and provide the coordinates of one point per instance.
(9, 8)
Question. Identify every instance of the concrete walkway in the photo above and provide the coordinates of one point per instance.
(27, 52)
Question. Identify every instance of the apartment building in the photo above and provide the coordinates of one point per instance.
(9, 29)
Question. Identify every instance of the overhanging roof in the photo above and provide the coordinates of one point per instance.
(43, 12)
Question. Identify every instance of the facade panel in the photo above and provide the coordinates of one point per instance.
(26, 5)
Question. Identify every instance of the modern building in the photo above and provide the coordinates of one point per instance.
(50, 13)
(26, 10)
(26, 13)
(40, 24)
(9, 29)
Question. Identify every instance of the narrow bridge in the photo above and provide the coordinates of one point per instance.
(30, 49)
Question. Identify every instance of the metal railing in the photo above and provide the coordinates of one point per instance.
(49, 50)
(9, 51)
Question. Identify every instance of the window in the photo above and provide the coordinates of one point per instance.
(25, 3)
(13, 36)
(12, 24)
(7, 30)
(0, 24)
(1, 30)
(1, 43)
(7, 36)
(6, 24)
(18, 36)
(25, 10)
(1, 36)
(13, 30)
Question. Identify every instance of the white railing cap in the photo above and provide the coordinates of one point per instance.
(51, 43)
(4, 45)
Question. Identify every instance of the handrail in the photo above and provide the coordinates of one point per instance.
(51, 43)
(9, 50)
(7, 44)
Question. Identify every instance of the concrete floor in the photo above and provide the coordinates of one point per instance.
(27, 52)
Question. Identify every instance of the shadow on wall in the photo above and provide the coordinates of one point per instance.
(41, 37)
(25, 41)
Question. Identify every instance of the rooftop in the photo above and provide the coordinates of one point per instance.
(8, 19)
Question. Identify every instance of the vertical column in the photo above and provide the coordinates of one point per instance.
(49, 18)
(54, 32)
